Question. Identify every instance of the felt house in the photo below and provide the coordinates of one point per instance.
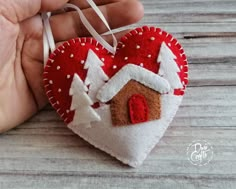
(134, 94)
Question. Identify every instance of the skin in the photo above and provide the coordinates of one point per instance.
(21, 50)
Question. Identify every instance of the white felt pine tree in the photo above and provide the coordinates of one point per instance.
(96, 77)
(168, 67)
(81, 104)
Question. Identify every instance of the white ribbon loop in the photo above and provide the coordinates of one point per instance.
(48, 31)
(48, 39)
(101, 16)
(90, 28)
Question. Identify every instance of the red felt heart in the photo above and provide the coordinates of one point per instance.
(140, 47)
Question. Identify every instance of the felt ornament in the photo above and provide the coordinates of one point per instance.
(121, 102)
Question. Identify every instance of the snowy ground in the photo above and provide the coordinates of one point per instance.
(130, 144)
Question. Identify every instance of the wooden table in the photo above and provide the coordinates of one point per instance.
(43, 153)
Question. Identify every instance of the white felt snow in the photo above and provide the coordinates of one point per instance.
(81, 103)
(132, 72)
(168, 67)
(129, 144)
(96, 77)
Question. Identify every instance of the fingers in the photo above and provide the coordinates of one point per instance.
(121, 13)
(52, 4)
(84, 4)
(33, 72)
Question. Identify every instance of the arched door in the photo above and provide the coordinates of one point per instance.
(138, 109)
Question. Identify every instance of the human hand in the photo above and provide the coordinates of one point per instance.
(21, 49)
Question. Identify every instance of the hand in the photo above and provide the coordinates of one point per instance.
(21, 49)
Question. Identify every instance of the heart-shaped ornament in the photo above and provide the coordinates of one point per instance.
(122, 103)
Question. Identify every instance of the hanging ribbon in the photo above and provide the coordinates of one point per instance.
(48, 39)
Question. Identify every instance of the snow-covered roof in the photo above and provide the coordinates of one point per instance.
(132, 72)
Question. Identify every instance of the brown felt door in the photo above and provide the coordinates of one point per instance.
(138, 109)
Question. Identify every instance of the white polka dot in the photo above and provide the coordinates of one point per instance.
(72, 56)
(67, 111)
(83, 44)
(149, 56)
(126, 58)
(59, 90)
(51, 82)
(103, 59)
(62, 51)
(123, 46)
(112, 56)
(58, 67)
(68, 76)
(58, 102)
(97, 49)
(152, 38)
(141, 64)
(160, 32)
(115, 66)
(138, 47)
(82, 61)
(140, 33)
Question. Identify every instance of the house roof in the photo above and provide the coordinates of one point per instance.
(132, 72)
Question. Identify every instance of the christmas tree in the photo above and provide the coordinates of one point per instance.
(96, 77)
(168, 67)
(81, 103)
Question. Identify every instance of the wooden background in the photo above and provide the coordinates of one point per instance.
(43, 153)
